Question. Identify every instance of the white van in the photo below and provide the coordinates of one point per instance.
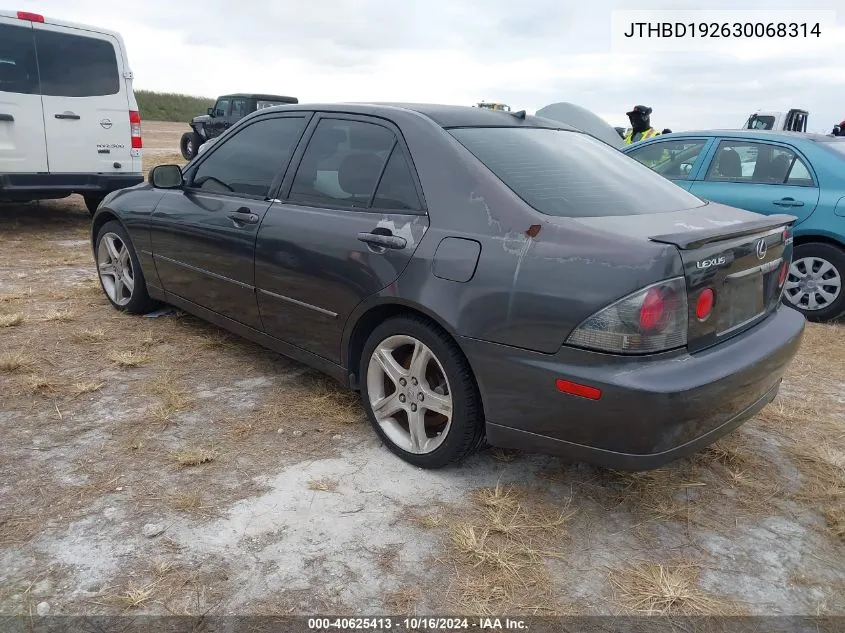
(69, 122)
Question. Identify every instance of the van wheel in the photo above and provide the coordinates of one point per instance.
(189, 144)
(419, 393)
(92, 202)
(814, 285)
(120, 272)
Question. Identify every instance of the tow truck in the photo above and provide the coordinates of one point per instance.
(795, 120)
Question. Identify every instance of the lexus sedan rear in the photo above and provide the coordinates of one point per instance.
(472, 273)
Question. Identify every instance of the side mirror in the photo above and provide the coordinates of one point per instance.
(166, 177)
(211, 112)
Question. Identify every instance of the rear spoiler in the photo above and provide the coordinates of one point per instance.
(695, 239)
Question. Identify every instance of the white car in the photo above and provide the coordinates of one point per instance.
(69, 121)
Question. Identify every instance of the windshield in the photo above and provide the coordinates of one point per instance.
(760, 122)
(570, 174)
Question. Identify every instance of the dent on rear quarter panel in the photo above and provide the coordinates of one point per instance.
(537, 277)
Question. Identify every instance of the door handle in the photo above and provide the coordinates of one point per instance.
(788, 202)
(67, 115)
(6, 117)
(383, 240)
(243, 216)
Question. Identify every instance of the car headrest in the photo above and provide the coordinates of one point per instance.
(730, 164)
(779, 167)
(358, 173)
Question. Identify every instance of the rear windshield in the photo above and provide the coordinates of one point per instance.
(835, 145)
(570, 174)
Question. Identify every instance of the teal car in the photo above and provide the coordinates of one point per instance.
(771, 172)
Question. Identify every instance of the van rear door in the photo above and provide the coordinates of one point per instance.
(23, 148)
(86, 105)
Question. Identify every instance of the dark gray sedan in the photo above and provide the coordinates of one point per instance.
(473, 273)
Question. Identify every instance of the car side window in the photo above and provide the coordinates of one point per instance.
(222, 108)
(396, 189)
(75, 65)
(342, 164)
(672, 159)
(757, 163)
(248, 162)
(18, 67)
(238, 108)
(799, 174)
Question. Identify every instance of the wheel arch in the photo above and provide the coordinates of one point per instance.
(807, 238)
(100, 219)
(365, 319)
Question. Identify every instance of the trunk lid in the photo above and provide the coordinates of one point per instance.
(736, 253)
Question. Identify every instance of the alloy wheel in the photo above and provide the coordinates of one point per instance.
(114, 265)
(409, 394)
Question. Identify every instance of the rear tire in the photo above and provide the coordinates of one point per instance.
(429, 412)
(92, 202)
(816, 268)
(117, 266)
(189, 145)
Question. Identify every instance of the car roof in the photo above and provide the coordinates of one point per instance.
(253, 95)
(446, 116)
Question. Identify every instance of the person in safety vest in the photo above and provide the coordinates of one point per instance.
(640, 118)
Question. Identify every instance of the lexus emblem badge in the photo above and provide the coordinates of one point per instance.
(761, 249)
(106, 123)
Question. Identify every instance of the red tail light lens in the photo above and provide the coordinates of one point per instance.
(135, 127)
(652, 310)
(704, 304)
(784, 269)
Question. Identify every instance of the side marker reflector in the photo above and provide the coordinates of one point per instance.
(575, 389)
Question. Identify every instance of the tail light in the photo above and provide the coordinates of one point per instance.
(32, 17)
(784, 269)
(650, 320)
(704, 304)
(135, 126)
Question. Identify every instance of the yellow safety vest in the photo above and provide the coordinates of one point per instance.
(647, 134)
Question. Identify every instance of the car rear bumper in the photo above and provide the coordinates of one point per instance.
(34, 185)
(651, 410)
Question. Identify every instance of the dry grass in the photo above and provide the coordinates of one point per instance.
(18, 528)
(323, 484)
(194, 456)
(135, 596)
(188, 501)
(835, 518)
(498, 553)
(426, 521)
(172, 397)
(651, 588)
(15, 363)
(58, 315)
(128, 358)
(81, 388)
(12, 320)
(93, 335)
(43, 385)
(403, 601)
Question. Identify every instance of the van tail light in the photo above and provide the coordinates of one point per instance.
(135, 126)
(32, 17)
(652, 319)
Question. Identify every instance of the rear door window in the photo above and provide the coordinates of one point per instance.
(571, 174)
(76, 65)
(342, 164)
(18, 66)
(758, 163)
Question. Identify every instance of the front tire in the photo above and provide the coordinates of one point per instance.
(119, 270)
(419, 393)
(189, 145)
(814, 283)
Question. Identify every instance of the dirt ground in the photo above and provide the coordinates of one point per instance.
(161, 465)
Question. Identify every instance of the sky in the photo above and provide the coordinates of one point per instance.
(526, 53)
